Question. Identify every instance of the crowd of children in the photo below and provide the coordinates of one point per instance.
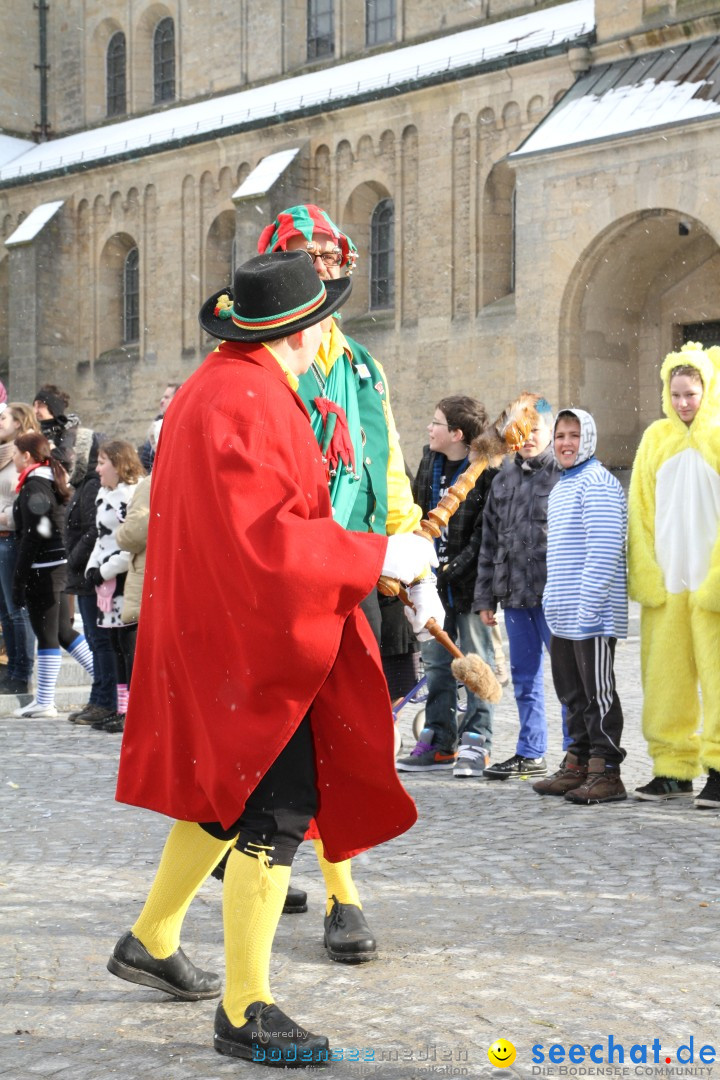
(556, 553)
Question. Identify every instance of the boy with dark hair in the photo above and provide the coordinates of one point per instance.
(585, 604)
(456, 422)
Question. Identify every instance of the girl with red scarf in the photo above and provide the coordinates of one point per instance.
(40, 572)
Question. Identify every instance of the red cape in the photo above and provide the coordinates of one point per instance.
(249, 617)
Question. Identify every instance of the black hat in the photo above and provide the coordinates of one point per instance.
(273, 295)
(53, 401)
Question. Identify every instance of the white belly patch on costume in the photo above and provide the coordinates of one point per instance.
(687, 515)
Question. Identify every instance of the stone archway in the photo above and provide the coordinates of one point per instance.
(633, 291)
(356, 220)
(219, 252)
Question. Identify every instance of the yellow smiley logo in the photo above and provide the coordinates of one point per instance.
(501, 1054)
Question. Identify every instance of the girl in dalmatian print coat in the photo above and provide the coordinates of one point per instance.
(119, 469)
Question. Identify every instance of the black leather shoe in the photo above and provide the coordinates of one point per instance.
(269, 1038)
(176, 975)
(295, 901)
(348, 937)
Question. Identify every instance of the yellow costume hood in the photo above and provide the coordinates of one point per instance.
(707, 363)
(677, 467)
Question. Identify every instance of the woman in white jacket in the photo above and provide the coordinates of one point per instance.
(119, 470)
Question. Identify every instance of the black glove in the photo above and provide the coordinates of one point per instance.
(93, 576)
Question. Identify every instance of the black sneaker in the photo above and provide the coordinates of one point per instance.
(90, 715)
(114, 723)
(662, 788)
(710, 795)
(516, 768)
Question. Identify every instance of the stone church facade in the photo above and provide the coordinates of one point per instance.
(506, 243)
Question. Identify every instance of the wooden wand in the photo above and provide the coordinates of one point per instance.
(505, 436)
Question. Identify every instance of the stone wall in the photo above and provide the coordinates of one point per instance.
(565, 273)
(219, 48)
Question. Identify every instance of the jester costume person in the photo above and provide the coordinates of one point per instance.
(674, 573)
(346, 394)
(250, 648)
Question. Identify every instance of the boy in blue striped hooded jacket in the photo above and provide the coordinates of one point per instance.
(585, 604)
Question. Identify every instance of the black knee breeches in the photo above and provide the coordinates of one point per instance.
(279, 810)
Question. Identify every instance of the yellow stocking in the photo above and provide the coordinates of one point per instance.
(338, 880)
(253, 897)
(188, 857)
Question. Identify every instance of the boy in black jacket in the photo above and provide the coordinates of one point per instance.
(456, 422)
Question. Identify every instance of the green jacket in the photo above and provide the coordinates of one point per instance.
(370, 509)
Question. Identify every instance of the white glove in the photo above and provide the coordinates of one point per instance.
(408, 556)
(428, 605)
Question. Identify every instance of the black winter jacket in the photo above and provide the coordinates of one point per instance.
(39, 516)
(463, 535)
(512, 566)
(81, 533)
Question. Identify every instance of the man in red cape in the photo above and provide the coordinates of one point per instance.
(258, 698)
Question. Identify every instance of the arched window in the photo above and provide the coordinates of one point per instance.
(320, 28)
(382, 255)
(498, 234)
(379, 21)
(164, 60)
(131, 297)
(115, 66)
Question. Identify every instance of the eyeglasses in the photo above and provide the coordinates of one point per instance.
(438, 423)
(333, 257)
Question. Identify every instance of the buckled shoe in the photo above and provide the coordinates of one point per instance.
(269, 1038)
(348, 938)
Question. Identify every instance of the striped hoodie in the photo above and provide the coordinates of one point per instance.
(586, 591)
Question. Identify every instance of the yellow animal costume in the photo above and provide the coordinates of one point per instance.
(674, 573)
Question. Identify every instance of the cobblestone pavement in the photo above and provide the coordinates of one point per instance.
(500, 915)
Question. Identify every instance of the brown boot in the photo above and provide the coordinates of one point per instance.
(603, 784)
(571, 774)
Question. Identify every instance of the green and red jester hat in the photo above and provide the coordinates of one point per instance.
(304, 220)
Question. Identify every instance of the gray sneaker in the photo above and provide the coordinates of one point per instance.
(425, 757)
(473, 758)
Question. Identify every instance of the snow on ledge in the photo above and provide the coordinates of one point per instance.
(11, 148)
(264, 175)
(396, 67)
(33, 224)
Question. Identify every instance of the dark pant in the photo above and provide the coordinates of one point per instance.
(441, 710)
(17, 632)
(371, 606)
(122, 640)
(105, 678)
(49, 608)
(584, 680)
(281, 807)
